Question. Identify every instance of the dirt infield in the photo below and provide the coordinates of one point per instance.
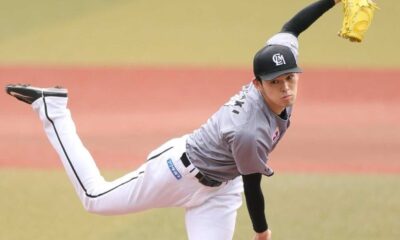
(344, 121)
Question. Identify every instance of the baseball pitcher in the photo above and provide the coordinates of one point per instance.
(205, 171)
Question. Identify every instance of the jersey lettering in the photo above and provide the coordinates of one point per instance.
(239, 103)
(238, 100)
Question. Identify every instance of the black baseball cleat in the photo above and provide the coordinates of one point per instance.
(29, 94)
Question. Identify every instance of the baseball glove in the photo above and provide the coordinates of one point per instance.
(358, 16)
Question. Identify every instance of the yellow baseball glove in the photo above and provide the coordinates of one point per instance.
(358, 16)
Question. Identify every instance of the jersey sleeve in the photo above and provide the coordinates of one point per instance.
(249, 155)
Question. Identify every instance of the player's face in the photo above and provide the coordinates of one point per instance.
(280, 92)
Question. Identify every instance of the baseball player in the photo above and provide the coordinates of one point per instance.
(202, 171)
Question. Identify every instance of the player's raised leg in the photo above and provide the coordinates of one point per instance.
(51, 105)
(136, 191)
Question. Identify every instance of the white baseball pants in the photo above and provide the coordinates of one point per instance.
(161, 182)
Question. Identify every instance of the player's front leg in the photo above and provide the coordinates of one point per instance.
(215, 218)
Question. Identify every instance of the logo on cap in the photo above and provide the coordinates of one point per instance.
(278, 59)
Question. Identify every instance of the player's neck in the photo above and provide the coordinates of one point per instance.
(275, 108)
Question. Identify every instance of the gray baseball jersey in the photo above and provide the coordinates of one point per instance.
(238, 138)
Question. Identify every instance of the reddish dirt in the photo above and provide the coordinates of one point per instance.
(344, 120)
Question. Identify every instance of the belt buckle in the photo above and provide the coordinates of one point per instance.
(203, 179)
(209, 182)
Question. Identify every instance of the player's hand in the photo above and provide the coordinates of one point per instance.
(263, 236)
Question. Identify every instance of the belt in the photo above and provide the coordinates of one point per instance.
(203, 179)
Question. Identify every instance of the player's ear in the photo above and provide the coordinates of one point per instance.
(257, 83)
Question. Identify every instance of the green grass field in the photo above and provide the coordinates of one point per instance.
(42, 205)
(223, 32)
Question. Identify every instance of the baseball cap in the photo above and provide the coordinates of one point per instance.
(274, 60)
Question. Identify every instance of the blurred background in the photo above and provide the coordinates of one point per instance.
(206, 33)
(141, 72)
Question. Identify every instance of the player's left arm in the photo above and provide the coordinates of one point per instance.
(252, 182)
(307, 16)
(256, 205)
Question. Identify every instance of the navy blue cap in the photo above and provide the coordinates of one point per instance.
(274, 60)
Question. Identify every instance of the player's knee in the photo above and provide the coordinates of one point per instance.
(96, 210)
(92, 206)
(97, 207)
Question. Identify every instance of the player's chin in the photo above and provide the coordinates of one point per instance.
(288, 101)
